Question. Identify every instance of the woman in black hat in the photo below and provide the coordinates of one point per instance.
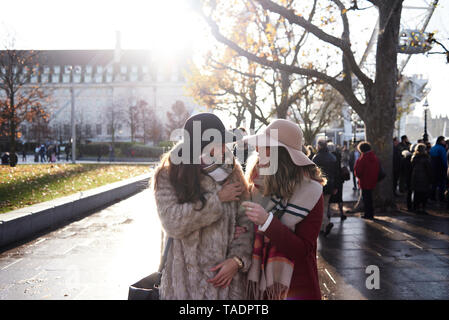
(198, 189)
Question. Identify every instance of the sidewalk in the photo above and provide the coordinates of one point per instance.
(410, 250)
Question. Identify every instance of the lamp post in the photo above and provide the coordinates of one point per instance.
(72, 96)
(425, 135)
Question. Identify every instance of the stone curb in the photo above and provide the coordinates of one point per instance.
(23, 223)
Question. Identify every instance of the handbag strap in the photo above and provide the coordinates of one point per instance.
(164, 257)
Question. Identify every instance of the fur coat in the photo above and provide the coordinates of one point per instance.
(201, 240)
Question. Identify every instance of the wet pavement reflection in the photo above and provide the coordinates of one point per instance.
(99, 256)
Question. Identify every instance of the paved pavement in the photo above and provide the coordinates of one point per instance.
(93, 258)
(99, 256)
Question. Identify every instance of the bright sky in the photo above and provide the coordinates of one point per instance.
(165, 26)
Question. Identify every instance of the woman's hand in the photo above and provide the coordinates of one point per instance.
(230, 192)
(255, 212)
(239, 231)
(223, 278)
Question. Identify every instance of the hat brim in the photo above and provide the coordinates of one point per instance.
(263, 140)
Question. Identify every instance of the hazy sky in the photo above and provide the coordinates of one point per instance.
(165, 26)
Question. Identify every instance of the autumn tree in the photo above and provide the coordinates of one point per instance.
(372, 96)
(317, 106)
(224, 84)
(176, 117)
(149, 122)
(115, 116)
(20, 101)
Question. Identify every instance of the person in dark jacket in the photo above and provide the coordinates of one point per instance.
(421, 178)
(396, 164)
(367, 171)
(439, 166)
(353, 156)
(406, 173)
(337, 197)
(327, 162)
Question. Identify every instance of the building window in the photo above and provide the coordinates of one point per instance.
(46, 69)
(109, 130)
(44, 78)
(67, 69)
(109, 78)
(98, 78)
(110, 69)
(56, 69)
(66, 78)
(123, 69)
(87, 78)
(100, 69)
(67, 130)
(55, 78)
(99, 129)
(88, 131)
(88, 69)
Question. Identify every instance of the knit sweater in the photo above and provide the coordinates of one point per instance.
(202, 240)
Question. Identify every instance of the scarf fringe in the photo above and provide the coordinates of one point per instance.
(276, 291)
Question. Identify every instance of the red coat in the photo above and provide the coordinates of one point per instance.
(366, 169)
(300, 247)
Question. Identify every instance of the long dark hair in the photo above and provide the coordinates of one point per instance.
(185, 179)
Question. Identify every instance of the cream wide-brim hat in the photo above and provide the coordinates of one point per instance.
(283, 133)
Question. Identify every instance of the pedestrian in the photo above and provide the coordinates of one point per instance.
(404, 144)
(198, 204)
(367, 171)
(328, 165)
(396, 165)
(43, 151)
(353, 157)
(421, 178)
(24, 154)
(287, 210)
(406, 175)
(338, 196)
(345, 155)
(36, 153)
(310, 152)
(438, 157)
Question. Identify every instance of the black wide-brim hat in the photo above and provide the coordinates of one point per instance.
(205, 128)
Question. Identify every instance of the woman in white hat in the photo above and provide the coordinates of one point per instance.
(287, 210)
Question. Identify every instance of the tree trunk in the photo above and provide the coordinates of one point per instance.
(12, 134)
(380, 114)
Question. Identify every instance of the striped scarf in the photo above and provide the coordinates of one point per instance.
(271, 271)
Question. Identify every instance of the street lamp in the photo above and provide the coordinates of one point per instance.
(72, 96)
(425, 135)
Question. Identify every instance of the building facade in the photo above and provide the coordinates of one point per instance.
(97, 79)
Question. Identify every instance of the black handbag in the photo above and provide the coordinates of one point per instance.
(345, 175)
(148, 287)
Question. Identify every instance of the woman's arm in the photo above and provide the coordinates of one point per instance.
(300, 244)
(179, 220)
(242, 246)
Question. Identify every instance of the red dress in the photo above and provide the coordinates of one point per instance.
(300, 247)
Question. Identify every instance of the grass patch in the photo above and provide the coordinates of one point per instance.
(26, 185)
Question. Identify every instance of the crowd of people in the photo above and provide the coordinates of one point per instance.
(421, 172)
(47, 153)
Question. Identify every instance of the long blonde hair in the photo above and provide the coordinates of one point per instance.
(287, 177)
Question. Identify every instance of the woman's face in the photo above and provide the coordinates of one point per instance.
(218, 150)
(264, 156)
